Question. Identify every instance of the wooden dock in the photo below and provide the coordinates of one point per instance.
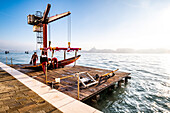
(57, 99)
(69, 85)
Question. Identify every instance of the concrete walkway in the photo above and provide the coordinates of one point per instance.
(17, 98)
(56, 98)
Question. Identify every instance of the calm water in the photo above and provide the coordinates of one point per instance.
(147, 91)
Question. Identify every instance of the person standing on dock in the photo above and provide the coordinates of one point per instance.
(34, 58)
(43, 61)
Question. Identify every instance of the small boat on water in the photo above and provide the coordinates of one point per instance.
(26, 52)
(6, 52)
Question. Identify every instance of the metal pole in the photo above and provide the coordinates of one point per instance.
(64, 54)
(75, 58)
(45, 37)
(52, 54)
(46, 73)
(11, 61)
(78, 88)
(6, 60)
(49, 33)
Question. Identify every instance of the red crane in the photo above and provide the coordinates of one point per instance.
(40, 22)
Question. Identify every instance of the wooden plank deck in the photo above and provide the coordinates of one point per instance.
(59, 100)
(69, 85)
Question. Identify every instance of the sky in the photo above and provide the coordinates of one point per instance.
(103, 24)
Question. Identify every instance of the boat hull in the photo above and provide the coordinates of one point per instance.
(61, 63)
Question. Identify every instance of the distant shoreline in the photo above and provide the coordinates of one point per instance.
(119, 50)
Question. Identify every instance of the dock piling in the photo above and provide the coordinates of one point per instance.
(120, 82)
(126, 79)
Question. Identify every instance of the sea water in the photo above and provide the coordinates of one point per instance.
(147, 91)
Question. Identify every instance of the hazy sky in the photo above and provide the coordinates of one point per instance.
(109, 24)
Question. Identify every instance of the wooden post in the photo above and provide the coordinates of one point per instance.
(46, 73)
(119, 83)
(6, 60)
(78, 88)
(75, 58)
(126, 80)
(11, 61)
(64, 54)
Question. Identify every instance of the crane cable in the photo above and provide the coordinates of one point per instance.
(69, 30)
(49, 33)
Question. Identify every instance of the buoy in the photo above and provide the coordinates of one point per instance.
(54, 62)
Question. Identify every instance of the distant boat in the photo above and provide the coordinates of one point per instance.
(6, 52)
(26, 52)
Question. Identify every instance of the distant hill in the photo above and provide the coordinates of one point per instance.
(126, 50)
(94, 50)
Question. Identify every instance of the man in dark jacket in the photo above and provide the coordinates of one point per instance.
(34, 58)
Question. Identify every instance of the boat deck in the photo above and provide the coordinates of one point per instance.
(69, 85)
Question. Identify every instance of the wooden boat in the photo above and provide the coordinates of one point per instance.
(61, 63)
(65, 62)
